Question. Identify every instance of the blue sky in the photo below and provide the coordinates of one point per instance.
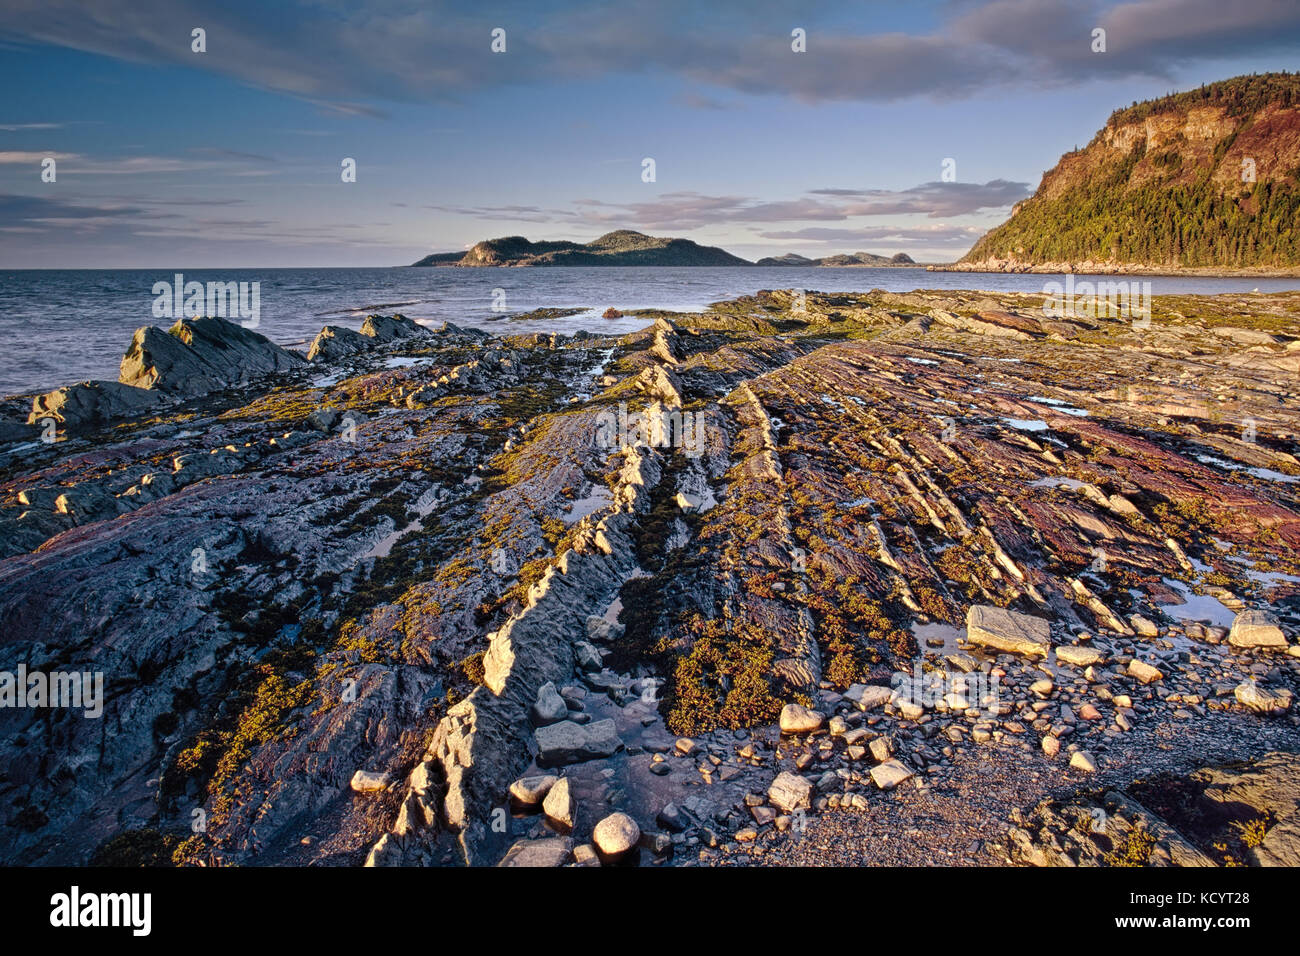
(166, 157)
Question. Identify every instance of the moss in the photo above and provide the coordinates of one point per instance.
(260, 711)
(1134, 850)
(554, 531)
(137, 848)
(1252, 832)
(472, 668)
(724, 680)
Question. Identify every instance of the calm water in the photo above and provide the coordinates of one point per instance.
(67, 326)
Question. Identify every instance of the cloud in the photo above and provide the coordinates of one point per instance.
(897, 234)
(684, 211)
(344, 57)
(14, 157)
(935, 199)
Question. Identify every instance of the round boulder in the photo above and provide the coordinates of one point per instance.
(616, 834)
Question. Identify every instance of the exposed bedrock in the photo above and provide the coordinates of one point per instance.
(346, 609)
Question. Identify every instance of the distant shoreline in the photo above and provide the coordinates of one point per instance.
(1103, 269)
(672, 265)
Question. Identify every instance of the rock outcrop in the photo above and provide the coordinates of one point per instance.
(196, 356)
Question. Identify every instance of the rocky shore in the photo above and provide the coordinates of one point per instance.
(925, 578)
(1108, 267)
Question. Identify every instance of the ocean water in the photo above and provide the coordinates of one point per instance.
(65, 326)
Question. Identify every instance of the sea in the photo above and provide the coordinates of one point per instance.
(65, 326)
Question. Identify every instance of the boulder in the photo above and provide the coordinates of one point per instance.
(797, 719)
(559, 805)
(568, 742)
(550, 707)
(530, 791)
(156, 360)
(1144, 626)
(91, 403)
(385, 328)
(335, 342)
(586, 656)
(1251, 695)
(616, 834)
(196, 356)
(1256, 629)
(789, 791)
(1008, 631)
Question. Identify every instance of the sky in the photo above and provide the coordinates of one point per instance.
(898, 128)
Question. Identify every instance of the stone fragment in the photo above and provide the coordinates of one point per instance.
(1005, 630)
(789, 791)
(890, 774)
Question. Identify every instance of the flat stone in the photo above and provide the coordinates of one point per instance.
(868, 696)
(1144, 672)
(568, 742)
(367, 781)
(1082, 760)
(1010, 631)
(1251, 695)
(549, 852)
(890, 774)
(1256, 629)
(789, 791)
(1144, 626)
(1078, 656)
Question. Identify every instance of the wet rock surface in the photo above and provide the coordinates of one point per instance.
(851, 584)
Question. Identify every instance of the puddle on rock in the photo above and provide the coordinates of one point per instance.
(1197, 607)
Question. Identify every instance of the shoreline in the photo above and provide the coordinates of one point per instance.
(1101, 269)
(301, 342)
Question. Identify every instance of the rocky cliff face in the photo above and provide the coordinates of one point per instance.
(373, 608)
(1206, 179)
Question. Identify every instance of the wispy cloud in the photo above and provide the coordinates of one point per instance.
(684, 211)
